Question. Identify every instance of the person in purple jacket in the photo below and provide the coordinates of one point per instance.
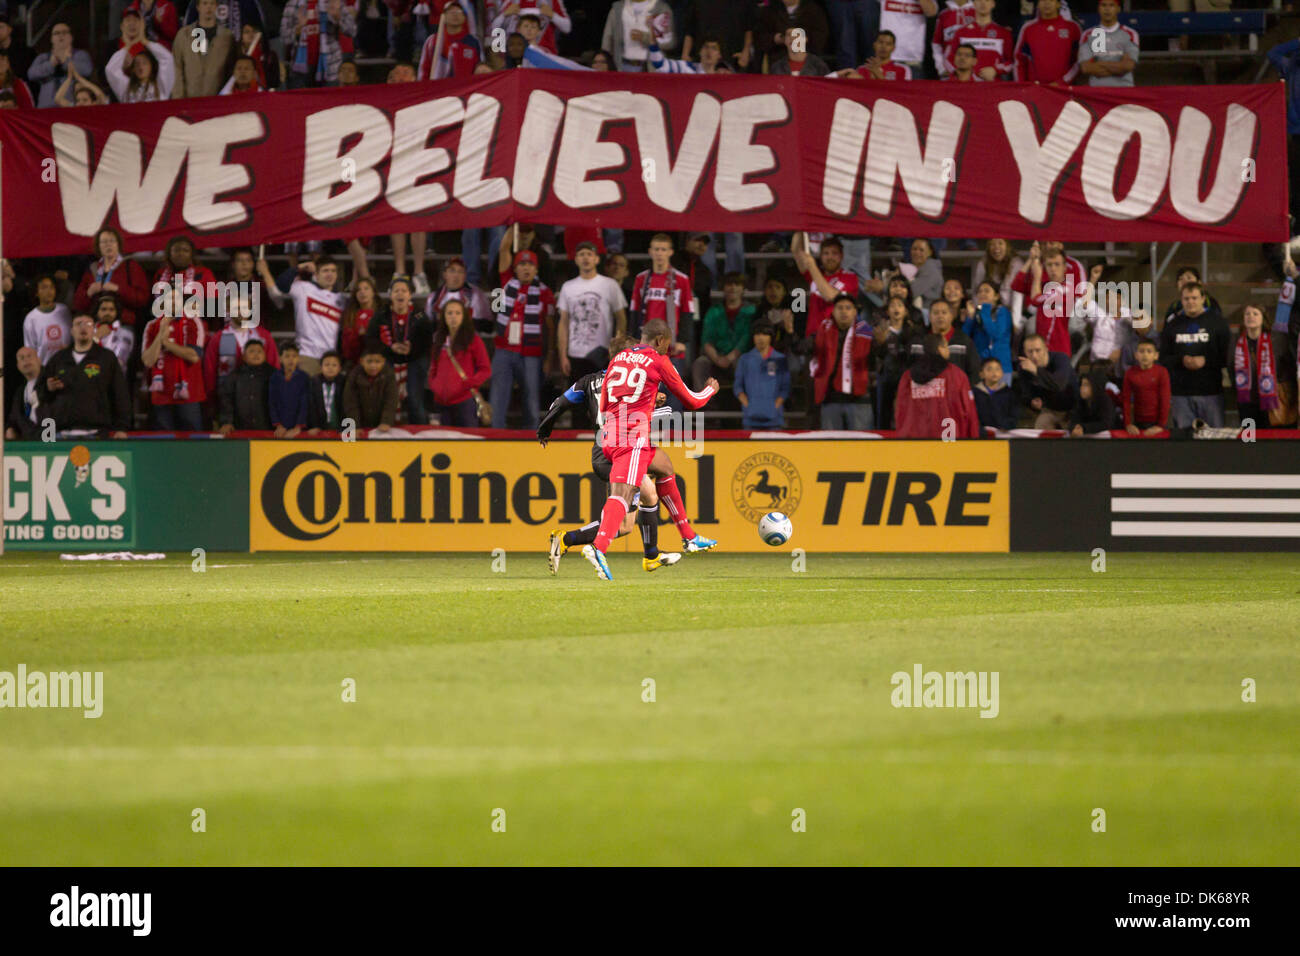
(289, 395)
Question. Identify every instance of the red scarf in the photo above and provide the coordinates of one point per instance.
(311, 33)
(1268, 399)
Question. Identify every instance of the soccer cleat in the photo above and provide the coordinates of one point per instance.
(598, 562)
(558, 548)
(662, 560)
(699, 543)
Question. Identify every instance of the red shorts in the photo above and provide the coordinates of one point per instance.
(629, 463)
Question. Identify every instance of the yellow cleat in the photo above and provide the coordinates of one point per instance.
(663, 560)
(558, 547)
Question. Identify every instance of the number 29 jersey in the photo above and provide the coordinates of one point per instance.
(628, 393)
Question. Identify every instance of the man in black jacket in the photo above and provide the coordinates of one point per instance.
(245, 402)
(325, 396)
(83, 386)
(961, 347)
(1194, 347)
(1047, 384)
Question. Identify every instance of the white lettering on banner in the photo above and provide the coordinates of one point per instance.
(435, 152)
(141, 197)
(743, 158)
(322, 171)
(1180, 165)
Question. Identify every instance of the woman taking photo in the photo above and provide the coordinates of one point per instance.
(459, 365)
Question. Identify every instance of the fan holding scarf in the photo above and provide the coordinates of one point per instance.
(525, 317)
(1263, 372)
(320, 33)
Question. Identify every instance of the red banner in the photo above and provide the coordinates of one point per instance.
(730, 153)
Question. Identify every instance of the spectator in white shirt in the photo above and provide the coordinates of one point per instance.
(48, 327)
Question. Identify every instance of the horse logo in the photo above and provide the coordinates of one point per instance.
(766, 482)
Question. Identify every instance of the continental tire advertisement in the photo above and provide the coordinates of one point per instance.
(481, 495)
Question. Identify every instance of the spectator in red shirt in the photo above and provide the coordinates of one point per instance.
(459, 366)
(113, 272)
(651, 298)
(1047, 50)
(1053, 294)
(934, 397)
(993, 44)
(841, 370)
(461, 51)
(881, 66)
(826, 281)
(954, 15)
(963, 65)
(173, 356)
(1145, 396)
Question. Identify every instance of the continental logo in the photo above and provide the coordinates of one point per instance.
(308, 496)
(766, 482)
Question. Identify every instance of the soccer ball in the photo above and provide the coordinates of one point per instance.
(775, 529)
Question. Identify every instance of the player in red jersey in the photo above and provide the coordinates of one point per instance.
(628, 398)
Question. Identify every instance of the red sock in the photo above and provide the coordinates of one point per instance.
(670, 496)
(611, 516)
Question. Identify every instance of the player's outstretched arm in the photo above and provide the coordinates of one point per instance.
(673, 382)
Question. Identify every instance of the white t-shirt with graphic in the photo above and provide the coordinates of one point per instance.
(590, 305)
(47, 332)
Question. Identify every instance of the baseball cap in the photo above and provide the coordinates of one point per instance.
(130, 12)
(525, 255)
(456, 261)
(586, 244)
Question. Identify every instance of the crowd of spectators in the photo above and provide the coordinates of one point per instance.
(1019, 340)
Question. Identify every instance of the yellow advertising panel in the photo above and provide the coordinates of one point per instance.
(479, 495)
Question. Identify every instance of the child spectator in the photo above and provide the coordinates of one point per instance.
(995, 402)
(762, 381)
(370, 392)
(47, 327)
(245, 392)
(325, 401)
(458, 367)
(934, 397)
(726, 333)
(1094, 412)
(1145, 397)
(288, 395)
(988, 323)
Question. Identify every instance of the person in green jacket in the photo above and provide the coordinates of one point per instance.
(726, 332)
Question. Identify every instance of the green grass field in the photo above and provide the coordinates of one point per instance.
(478, 690)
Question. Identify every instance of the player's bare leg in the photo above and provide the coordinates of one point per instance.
(661, 467)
